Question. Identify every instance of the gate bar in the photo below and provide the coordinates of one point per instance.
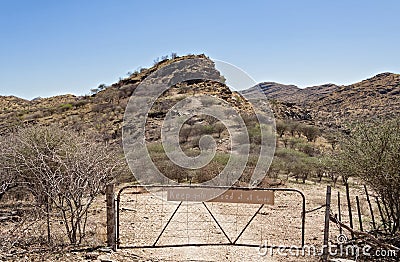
(248, 223)
(220, 227)
(169, 220)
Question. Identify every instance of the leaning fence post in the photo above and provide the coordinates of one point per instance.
(111, 216)
(381, 213)
(389, 219)
(370, 207)
(326, 228)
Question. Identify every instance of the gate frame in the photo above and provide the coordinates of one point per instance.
(118, 200)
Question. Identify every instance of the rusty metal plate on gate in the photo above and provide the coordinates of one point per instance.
(213, 195)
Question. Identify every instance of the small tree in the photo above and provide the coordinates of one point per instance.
(281, 128)
(311, 132)
(295, 162)
(308, 149)
(372, 153)
(333, 139)
(293, 127)
(219, 127)
(331, 167)
(301, 169)
(102, 87)
(185, 133)
(64, 170)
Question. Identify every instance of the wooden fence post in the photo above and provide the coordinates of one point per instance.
(381, 213)
(340, 213)
(370, 207)
(326, 228)
(359, 214)
(349, 208)
(111, 232)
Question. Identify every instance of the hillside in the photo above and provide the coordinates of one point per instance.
(103, 111)
(330, 105)
(294, 94)
(374, 98)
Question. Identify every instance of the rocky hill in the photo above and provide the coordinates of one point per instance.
(374, 98)
(280, 92)
(330, 105)
(103, 111)
(294, 94)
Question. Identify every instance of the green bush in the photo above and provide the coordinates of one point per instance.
(372, 153)
(311, 132)
(65, 107)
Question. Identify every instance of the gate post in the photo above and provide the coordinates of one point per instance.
(111, 232)
(325, 247)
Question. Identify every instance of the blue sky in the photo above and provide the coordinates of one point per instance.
(57, 47)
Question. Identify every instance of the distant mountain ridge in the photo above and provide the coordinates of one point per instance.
(332, 105)
(377, 97)
(294, 94)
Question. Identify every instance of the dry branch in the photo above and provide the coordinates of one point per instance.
(373, 240)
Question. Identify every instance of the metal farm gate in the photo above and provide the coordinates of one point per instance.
(179, 215)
